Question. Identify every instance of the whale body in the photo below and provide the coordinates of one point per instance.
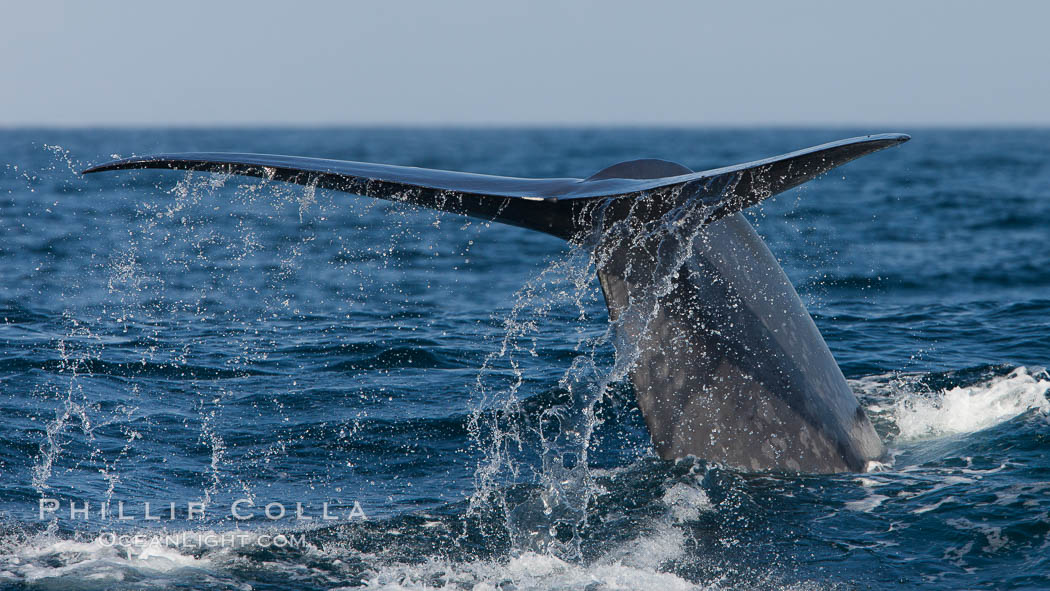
(726, 363)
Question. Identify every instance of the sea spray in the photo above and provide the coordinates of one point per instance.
(549, 450)
(550, 520)
(153, 310)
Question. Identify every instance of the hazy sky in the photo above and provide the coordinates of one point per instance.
(527, 62)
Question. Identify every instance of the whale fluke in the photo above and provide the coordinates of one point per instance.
(726, 363)
(556, 206)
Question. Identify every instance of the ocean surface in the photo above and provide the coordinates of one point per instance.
(370, 385)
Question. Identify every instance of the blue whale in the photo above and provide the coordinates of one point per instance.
(726, 363)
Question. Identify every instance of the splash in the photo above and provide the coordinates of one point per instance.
(550, 521)
(558, 439)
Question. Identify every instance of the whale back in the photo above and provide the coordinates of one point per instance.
(645, 168)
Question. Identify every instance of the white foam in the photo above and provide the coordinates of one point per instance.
(867, 504)
(937, 505)
(686, 502)
(966, 409)
(963, 409)
(639, 563)
(665, 539)
(525, 572)
(46, 558)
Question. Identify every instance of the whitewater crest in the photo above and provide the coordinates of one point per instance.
(915, 412)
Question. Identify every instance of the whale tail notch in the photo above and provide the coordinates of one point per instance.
(726, 363)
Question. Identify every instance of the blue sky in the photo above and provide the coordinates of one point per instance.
(525, 63)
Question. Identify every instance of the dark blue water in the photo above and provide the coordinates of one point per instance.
(173, 338)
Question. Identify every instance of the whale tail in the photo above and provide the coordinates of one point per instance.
(563, 207)
(727, 364)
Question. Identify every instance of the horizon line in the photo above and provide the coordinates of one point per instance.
(9, 126)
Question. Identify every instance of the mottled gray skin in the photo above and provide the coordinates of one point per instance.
(727, 364)
(730, 366)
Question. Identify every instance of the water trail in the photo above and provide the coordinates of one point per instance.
(550, 520)
(74, 407)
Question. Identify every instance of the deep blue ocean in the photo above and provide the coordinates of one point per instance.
(363, 381)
